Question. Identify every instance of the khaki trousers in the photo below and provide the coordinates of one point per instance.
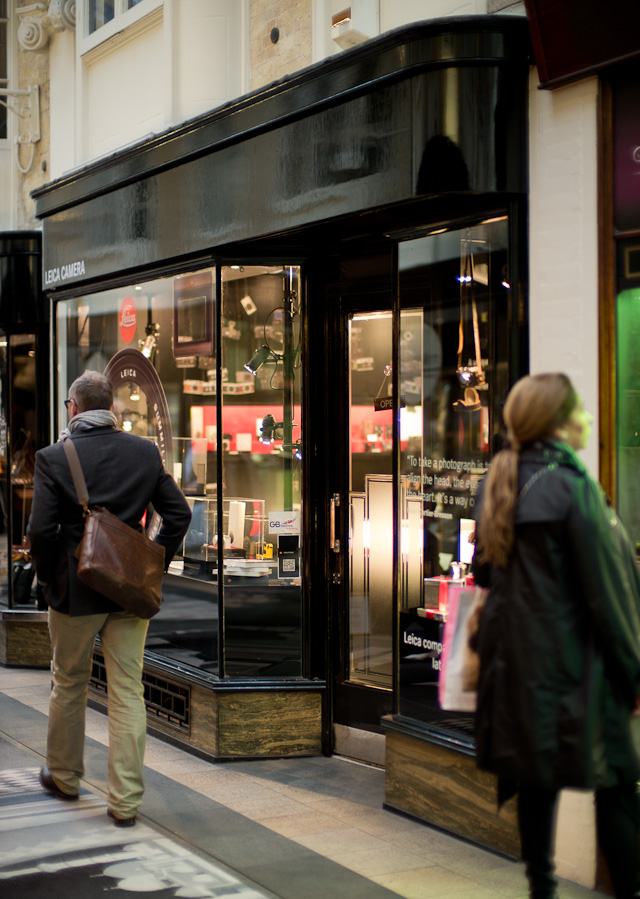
(122, 636)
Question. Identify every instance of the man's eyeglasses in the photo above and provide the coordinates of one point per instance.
(67, 403)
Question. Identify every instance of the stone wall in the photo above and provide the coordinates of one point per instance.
(292, 47)
(33, 69)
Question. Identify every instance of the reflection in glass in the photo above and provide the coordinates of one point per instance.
(251, 517)
(4, 476)
(454, 294)
(628, 387)
(91, 330)
(262, 486)
(100, 12)
(370, 500)
(22, 449)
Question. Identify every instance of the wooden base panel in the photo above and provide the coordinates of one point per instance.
(228, 724)
(445, 788)
(24, 640)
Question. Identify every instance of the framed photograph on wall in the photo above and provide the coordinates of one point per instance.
(193, 318)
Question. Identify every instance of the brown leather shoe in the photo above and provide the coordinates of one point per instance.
(47, 781)
(122, 822)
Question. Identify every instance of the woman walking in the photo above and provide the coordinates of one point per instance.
(559, 640)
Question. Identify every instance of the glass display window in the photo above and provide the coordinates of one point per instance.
(628, 386)
(217, 386)
(262, 449)
(452, 381)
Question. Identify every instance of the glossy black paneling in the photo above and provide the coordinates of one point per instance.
(444, 43)
(427, 109)
(20, 278)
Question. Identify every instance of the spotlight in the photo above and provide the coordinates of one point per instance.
(135, 394)
(269, 429)
(148, 345)
(258, 359)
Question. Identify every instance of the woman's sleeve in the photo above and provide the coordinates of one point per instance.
(605, 572)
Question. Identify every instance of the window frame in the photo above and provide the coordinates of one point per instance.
(123, 18)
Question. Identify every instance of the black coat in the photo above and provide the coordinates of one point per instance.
(559, 639)
(124, 474)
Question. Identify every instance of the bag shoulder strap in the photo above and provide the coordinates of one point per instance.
(76, 473)
(532, 480)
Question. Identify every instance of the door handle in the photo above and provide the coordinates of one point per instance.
(334, 542)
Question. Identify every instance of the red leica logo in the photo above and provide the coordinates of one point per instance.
(128, 319)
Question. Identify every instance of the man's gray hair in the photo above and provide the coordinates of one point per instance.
(92, 391)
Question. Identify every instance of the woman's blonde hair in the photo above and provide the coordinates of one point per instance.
(536, 407)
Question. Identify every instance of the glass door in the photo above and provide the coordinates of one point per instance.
(370, 499)
(362, 518)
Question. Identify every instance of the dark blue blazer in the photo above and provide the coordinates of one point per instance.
(124, 474)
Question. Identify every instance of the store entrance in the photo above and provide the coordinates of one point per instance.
(361, 519)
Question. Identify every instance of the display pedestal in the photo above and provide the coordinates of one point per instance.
(443, 786)
(24, 639)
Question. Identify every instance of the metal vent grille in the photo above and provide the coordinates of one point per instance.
(164, 699)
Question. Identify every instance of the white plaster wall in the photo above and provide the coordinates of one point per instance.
(208, 40)
(563, 285)
(123, 93)
(563, 242)
(394, 13)
(62, 84)
(183, 58)
(8, 204)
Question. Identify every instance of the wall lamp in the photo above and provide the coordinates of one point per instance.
(260, 356)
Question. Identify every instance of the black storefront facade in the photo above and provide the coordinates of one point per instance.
(24, 428)
(313, 300)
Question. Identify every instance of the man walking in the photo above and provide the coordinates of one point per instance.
(124, 474)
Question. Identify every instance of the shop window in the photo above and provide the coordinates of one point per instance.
(5, 485)
(628, 386)
(261, 469)
(158, 343)
(4, 66)
(128, 333)
(454, 293)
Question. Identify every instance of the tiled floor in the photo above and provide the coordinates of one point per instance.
(320, 807)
